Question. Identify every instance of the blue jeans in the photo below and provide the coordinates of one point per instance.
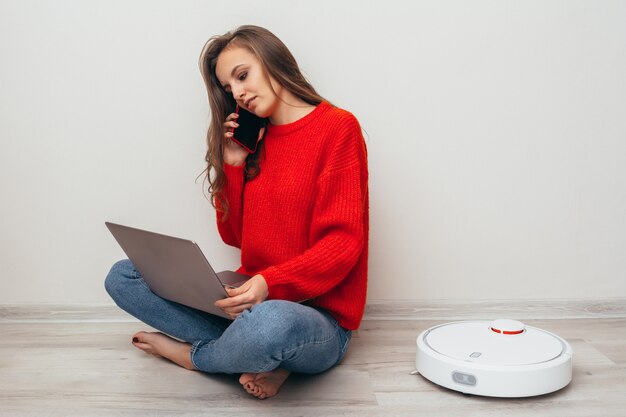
(272, 334)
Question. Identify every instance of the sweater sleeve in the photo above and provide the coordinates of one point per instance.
(230, 230)
(337, 227)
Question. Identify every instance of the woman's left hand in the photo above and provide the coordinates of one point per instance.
(253, 291)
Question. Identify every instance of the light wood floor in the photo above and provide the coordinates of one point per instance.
(91, 369)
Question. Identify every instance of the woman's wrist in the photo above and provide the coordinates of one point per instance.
(236, 162)
(234, 156)
(233, 163)
(262, 286)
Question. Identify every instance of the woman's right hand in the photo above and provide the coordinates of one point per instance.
(233, 153)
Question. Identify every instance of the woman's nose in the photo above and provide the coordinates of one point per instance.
(238, 93)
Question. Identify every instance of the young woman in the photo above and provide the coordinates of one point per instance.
(298, 210)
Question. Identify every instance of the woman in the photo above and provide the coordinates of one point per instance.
(298, 210)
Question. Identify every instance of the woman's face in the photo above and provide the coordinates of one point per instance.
(241, 73)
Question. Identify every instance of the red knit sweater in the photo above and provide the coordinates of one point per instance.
(303, 222)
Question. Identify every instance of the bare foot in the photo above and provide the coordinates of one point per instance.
(265, 384)
(161, 345)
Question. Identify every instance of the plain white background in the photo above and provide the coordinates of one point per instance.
(496, 134)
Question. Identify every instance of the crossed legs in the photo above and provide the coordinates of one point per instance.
(264, 344)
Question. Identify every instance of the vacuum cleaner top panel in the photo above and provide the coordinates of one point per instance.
(500, 342)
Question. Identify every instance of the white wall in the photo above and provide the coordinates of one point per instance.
(496, 136)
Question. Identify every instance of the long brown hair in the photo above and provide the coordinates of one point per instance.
(277, 62)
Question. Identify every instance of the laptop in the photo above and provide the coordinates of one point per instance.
(175, 268)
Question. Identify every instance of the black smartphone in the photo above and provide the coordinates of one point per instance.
(247, 134)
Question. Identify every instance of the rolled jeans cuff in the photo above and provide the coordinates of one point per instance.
(194, 347)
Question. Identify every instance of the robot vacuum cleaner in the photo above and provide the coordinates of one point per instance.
(501, 358)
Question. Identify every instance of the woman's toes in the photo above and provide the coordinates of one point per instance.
(139, 336)
(246, 378)
(247, 381)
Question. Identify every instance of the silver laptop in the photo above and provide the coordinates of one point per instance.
(175, 269)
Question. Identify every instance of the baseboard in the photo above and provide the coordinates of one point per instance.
(490, 309)
(374, 310)
(62, 313)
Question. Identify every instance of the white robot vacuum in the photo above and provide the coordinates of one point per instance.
(500, 358)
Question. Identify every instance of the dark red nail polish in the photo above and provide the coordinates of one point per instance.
(135, 339)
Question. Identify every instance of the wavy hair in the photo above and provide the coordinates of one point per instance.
(278, 63)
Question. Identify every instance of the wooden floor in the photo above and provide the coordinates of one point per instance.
(83, 369)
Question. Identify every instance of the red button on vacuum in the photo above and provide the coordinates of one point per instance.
(506, 326)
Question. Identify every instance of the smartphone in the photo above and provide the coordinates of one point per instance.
(247, 134)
